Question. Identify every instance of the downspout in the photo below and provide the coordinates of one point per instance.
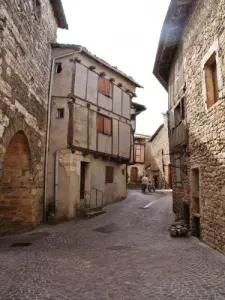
(56, 180)
(48, 127)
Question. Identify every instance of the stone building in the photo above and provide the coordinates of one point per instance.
(190, 65)
(136, 168)
(27, 29)
(91, 135)
(157, 157)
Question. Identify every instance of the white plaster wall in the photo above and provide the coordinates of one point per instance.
(62, 82)
(105, 101)
(117, 100)
(126, 108)
(92, 92)
(80, 126)
(69, 182)
(104, 143)
(92, 130)
(124, 140)
(115, 125)
(81, 74)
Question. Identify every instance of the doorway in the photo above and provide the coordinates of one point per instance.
(83, 178)
(16, 201)
(187, 214)
(156, 181)
(134, 174)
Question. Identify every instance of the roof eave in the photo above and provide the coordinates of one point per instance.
(94, 57)
(59, 14)
(170, 36)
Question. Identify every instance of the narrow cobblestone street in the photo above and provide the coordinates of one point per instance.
(126, 253)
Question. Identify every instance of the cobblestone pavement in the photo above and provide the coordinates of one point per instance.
(126, 253)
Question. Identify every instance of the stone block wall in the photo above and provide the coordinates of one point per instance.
(157, 156)
(25, 60)
(204, 35)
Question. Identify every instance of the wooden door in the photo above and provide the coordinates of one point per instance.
(82, 179)
(134, 174)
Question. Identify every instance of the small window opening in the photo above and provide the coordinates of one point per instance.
(58, 68)
(60, 113)
(211, 81)
(37, 9)
(109, 174)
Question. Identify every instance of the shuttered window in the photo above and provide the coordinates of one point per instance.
(178, 172)
(109, 174)
(105, 87)
(211, 81)
(139, 153)
(104, 125)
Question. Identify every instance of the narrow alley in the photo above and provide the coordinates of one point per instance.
(125, 253)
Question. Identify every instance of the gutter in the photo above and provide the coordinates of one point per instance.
(48, 128)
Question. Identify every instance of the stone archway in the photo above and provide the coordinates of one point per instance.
(16, 186)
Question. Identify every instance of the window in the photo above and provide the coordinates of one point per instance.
(60, 113)
(178, 172)
(37, 9)
(105, 87)
(109, 174)
(179, 112)
(139, 153)
(104, 125)
(58, 67)
(211, 83)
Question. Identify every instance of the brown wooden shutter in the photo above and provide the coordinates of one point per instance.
(209, 86)
(100, 124)
(104, 87)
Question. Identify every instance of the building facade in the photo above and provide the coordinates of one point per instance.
(91, 135)
(190, 65)
(157, 157)
(27, 29)
(136, 168)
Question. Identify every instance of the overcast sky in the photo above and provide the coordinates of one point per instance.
(125, 33)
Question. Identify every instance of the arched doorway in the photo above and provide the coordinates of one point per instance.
(134, 174)
(15, 196)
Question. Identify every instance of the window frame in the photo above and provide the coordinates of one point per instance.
(58, 65)
(58, 113)
(102, 128)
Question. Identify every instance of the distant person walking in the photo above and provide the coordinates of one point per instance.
(144, 184)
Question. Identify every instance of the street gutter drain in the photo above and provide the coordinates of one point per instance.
(25, 244)
(107, 228)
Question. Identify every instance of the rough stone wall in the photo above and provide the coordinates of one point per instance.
(157, 156)
(206, 126)
(25, 59)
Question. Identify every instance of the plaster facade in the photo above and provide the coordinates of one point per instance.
(76, 135)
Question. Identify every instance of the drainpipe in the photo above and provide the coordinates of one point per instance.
(48, 127)
(56, 180)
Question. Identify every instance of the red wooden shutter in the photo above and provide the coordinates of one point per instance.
(104, 87)
(100, 124)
